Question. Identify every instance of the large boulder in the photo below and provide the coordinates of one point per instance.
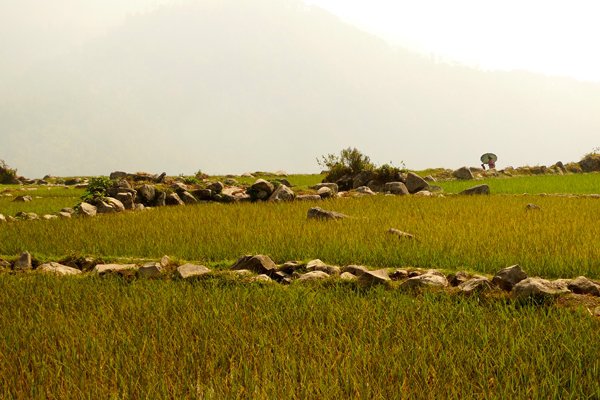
(463, 173)
(282, 193)
(364, 190)
(117, 175)
(259, 264)
(187, 198)
(160, 199)
(319, 213)
(475, 285)
(414, 183)
(395, 188)
(146, 193)
(188, 271)
(116, 204)
(203, 194)
(261, 189)
(476, 190)
(127, 199)
(173, 199)
(325, 192)
(58, 269)
(150, 270)
(87, 210)
(582, 285)
(538, 287)
(362, 179)
(216, 187)
(590, 163)
(508, 277)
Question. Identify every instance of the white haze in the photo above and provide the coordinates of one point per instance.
(229, 86)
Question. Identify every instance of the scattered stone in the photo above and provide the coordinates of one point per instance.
(414, 183)
(216, 187)
(230, 182)
(356, 270)
(104, 207)
(532, 206)
(261, 189)
(160, 199)
(430, 178)
(23, 199)
(475, 285)
(399, 274)
(187, 198)
(313, 276)
(115, 204)
(261, 278)
(165, 261)
(117, 175)
(139, 207)
(477, 190)
(242, 272)
(187, 271)
(259, 264)
(2, 218)
(308, 197)
(290, 267)
(27, 216)
(150, 270)
(282, 193)
(319, 213)
(318, 265)
(509, 277)
(582, 285)
(102, 269)
(347, 276)
(203, 194)
(173, 199)
(372, 278)
(23, 262)
(127, 199)
(365, 190)
(538, 287)
(68, 210)
(400, 234)
(424, 193)
(179, 187)
(463, 173)
(87, 210)
(457, 278)
(398, 188)
(325, 192)
(428, 279)
(49, 217)
(331, 186)
(58, 269)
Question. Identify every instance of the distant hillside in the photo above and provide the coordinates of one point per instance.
(231, 86)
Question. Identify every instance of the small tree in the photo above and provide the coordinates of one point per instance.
(97, 188)
(350, 162)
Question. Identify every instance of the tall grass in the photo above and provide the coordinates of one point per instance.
(71, 338)
(480, 234)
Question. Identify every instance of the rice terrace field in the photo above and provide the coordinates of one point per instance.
(228, 336)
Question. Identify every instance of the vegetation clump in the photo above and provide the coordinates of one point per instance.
(97, 189)
(8, 175)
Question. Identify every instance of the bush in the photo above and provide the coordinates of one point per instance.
(350, 162)
(97, 188)
(7, 174)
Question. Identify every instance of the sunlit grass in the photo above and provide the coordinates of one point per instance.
(73, 338)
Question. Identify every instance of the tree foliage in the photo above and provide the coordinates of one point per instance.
(7, 174)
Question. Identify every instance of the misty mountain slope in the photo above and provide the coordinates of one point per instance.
(231, 86)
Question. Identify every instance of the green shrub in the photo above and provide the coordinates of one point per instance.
(97, 188)
(350, 161)
(7, 174)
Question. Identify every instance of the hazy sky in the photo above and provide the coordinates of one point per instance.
(549, 36)
(90, 86)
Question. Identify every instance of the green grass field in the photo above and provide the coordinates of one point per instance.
(110, 338)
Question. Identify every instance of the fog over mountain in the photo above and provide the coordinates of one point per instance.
(229, 86)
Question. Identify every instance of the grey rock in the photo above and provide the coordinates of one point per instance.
(400, 234)
(259, 264)
(261, 278)
(102, 269)
(532, 206)
(313, 276)
(179, 187)
(23, 199)
(2, 218)
(308, 197)
(356, 270)
(216, 187)
(127, 199)
(428, 279)
(414, 183)
(475, 285)
(318, 265)
(290, 267)
(476, 190)
(50, 217)
(187, 198)
(173, 199)
(362, 179)
(68, 210)
(424, 193)
(58, 269)
(457, 278)
(319, 213)
(508, 277)
(87, 210)
(398, 188)
(150, 270)
(430, 178)
(347, 276)
(23, 262)
(399, 274)
(27, 216)
(365, 190)
(371, 278)
(64, 215)
(282, 193)
(187, 271)
(165, 261)
(146, 193)
(463, 173)
(262, 188)
(203, 194)
(331, 186)
(325, 192)
(582, 285)
(104, 207)
(160, 199)
(115, 204)
(118, 175)
(538, 287)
